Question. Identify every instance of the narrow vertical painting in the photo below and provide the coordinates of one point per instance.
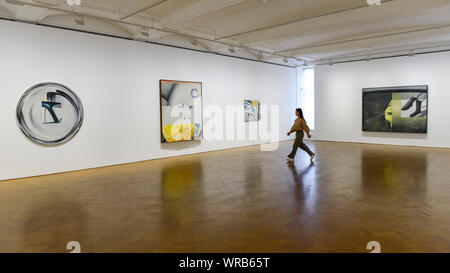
(181, 111)
(396, 109)
(251, 110)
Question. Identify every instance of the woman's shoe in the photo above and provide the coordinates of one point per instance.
(312, 157)
(288, 159)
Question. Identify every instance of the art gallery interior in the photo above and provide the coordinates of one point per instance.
(161, 126)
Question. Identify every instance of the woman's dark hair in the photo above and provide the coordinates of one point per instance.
(300, 112)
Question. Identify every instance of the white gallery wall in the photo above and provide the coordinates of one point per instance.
(118, 83)
(338, 101)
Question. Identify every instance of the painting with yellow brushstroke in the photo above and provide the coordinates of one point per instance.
(251, 110)
(396, 109)
(181, 111)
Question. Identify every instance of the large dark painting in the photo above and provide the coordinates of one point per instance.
(396, 109)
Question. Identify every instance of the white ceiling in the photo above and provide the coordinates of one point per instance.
(320, 31)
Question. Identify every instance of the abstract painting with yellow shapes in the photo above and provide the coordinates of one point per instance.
(251, 110)
(181, 111)
(396, 109)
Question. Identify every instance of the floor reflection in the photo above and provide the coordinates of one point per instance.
(305, 189)
(182, 194)
(299, 174)
(240, 200)
(52, 223)
(252, 176)
(394, 171)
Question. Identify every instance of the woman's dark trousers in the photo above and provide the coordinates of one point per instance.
(298, 143)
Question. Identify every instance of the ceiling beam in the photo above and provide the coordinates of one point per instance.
(348, 24)
(199, 9)
(303, 19)
(410, 50)
(176, 20)
(402, 34)
(384, 55)
(143, 9)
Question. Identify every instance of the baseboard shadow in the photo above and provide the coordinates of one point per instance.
(180, 145)
(394, 135)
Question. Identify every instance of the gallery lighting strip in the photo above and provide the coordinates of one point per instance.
(367, 56)
(411, 53)
(119, 21)
(144, 41)
(441, 27)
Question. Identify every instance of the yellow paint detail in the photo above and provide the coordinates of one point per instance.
(388, 114)
(178, 132)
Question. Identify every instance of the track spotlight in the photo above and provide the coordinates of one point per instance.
(285, 59)
(73, 2)
(305, 63)
(373, 2)
(194, 42)
(144, 32)
(79, 20)
(260, 55)
(231, 49)
(411, 54)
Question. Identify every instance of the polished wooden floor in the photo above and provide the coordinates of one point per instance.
(240, 200)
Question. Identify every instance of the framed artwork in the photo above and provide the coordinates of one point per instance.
(50, 113)
(396, 109)
(251, 110)
(181, 111)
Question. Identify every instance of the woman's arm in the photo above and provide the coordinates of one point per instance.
(306, 127)
(293, 128)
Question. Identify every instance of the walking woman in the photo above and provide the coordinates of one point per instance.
(298, 127)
